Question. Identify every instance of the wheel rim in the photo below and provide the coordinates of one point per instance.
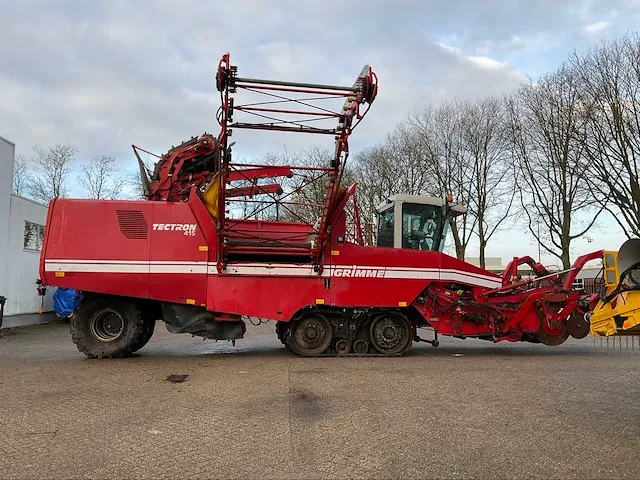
(311, 335)
(390, 334)
(107, 325)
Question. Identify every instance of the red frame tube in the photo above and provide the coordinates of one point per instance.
(292, 112)
(295, 90)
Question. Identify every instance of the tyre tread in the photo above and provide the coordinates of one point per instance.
(127, 308)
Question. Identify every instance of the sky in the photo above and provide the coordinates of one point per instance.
(106, 74)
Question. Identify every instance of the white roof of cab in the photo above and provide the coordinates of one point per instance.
(422, 200)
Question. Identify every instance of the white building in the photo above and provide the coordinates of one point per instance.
(21, 231)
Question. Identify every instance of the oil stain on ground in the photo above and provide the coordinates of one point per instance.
(307, 406)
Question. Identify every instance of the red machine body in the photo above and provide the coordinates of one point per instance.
(167, 252)
(180, 257)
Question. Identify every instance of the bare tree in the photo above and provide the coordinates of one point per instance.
(398, 166)
(376, 176)
(546, 121)
(21, 175)
(492, 186)
(439, 132)
(297, 189)
(53, 164)
(99, 177)
(610, 91)
(410, 160)
(313, 191)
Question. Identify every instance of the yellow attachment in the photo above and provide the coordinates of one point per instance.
(611, 274)
(210, 196)
(622, 314)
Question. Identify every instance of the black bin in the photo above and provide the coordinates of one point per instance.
(2, 300)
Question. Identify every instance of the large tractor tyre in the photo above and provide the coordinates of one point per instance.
(149, 326)
(108, 327)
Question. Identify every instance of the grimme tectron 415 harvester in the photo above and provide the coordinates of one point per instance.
(201, 254)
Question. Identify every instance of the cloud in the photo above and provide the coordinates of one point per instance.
(595, 28)
(104, 74)
(485, 62)
(107, 75)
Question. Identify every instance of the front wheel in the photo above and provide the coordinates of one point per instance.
(108, 327)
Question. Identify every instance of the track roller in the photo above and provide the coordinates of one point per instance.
(329, 332)
(342, 347)
(360, 346)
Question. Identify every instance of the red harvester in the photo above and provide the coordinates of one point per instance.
(217, 241)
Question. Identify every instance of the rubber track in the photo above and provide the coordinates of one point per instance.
(383, 355)
(283, 334)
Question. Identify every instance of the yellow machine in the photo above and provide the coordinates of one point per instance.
(618, 311)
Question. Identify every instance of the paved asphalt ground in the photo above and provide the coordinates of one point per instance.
(466, 409)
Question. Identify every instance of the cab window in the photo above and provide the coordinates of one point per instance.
(385, 228)
(421, 226)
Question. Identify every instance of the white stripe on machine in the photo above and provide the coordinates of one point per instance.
(194, 267)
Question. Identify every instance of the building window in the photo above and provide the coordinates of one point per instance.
(33, 236)
(578, 284)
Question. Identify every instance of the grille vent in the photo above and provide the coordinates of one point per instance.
(133, 225)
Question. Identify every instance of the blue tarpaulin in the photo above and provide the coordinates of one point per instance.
(65, 301)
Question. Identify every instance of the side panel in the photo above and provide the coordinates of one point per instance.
(268, 296)
(391, 277)
(45, 240)
(99, 246)
(178, 255)
(378, 276)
